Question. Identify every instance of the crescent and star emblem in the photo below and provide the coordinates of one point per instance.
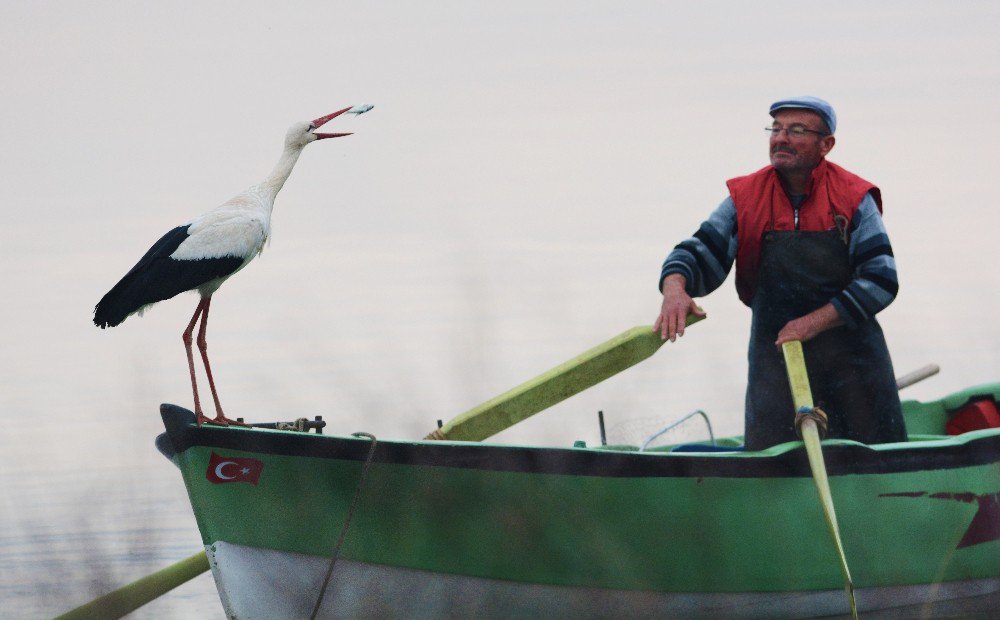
(232, 469)
(218, 470)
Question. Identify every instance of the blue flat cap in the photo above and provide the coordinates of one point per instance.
(814, 104)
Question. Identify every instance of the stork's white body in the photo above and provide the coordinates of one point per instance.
(239, 227)
(205, 252)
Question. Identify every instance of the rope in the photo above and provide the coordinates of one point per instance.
(347, 520)
(298, 425)
(815, 414)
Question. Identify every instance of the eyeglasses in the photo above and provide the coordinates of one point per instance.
(795, 131)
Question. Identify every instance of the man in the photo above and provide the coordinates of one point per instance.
(813, 263)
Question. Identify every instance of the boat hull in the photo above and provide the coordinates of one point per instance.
(265, 583)
(446, 528)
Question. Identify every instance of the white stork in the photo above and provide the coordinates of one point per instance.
(205, 252)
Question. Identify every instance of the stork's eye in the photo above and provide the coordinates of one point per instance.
(311, 127)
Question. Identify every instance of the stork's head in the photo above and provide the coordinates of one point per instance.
(301, 134)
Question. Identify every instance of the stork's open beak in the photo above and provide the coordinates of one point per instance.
(319, 122)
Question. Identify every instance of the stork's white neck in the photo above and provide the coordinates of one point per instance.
(269, 187)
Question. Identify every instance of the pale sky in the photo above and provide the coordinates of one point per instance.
(506, 205)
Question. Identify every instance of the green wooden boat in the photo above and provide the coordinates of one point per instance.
(458, 528)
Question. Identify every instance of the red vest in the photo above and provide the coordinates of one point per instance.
(762, 205)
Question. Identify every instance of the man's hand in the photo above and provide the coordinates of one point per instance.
(677, 304)
(809, 326)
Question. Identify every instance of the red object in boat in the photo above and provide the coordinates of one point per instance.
(978, 413)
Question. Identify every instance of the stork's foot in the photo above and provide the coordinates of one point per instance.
(218, 420)
(221, 420)
(204, 419)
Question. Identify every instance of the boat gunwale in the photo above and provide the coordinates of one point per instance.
(787, 460)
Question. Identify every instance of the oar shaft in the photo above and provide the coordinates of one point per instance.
(798, 379)
(917, 375)
(587, 369)
(128, 598)
(810, 437)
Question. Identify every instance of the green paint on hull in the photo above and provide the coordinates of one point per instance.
(713, 535)
(649, 533)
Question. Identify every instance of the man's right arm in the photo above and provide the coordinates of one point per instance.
(677, 304)
(696, 267)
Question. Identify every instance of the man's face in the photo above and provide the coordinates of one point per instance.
(798, 154)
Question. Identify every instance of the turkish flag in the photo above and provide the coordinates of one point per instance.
(233, 469)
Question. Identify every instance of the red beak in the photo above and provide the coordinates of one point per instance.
(319, 122)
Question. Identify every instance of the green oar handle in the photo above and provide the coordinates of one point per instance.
(798, 379)
(581, 372)
(128, 598)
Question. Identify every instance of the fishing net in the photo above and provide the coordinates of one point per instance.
(655, 432)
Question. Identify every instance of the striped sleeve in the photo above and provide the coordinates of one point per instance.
(875, 284)
(706, 258)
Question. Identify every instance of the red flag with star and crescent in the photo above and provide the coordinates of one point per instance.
(222, 469)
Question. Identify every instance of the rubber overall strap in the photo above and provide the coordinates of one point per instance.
(798, 379)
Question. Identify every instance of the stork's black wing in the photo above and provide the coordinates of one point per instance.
(157, 277)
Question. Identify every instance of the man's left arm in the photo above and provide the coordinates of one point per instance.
(873, 288)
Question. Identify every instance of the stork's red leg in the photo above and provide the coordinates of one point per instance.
(186, 337)
(203, 347)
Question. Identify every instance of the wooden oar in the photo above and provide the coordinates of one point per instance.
(127, 599)
(581, 372)
(917, 375)
(798, 379)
